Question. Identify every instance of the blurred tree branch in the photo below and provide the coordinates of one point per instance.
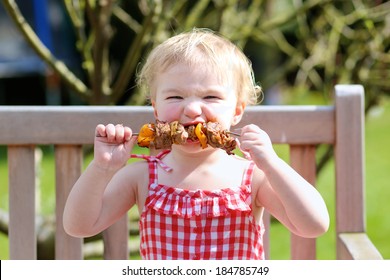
(31, 37)
(316, 42)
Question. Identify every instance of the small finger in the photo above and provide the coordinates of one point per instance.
(245, 153)
(100, 130)
(127, 133)
(119, 133)
(110, 132)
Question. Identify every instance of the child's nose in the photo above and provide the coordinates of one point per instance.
(193, 109)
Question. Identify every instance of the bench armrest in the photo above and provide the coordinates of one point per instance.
(358, 246)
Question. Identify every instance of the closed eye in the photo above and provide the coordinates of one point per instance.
(211, 97)
(174, 97)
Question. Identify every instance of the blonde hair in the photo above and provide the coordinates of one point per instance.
(202, 47)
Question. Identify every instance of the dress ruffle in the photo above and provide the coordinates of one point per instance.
(188, 203)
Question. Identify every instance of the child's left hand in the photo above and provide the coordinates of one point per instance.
(256, 144)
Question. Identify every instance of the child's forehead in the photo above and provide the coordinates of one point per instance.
(200, 76)
(220, 73)
(218, 64)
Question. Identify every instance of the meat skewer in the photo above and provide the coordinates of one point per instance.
(162, 135)
(228, 132)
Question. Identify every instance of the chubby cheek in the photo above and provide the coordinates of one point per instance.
(226, 118)
(167, 113)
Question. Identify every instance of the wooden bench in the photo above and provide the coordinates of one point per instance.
(69, 128)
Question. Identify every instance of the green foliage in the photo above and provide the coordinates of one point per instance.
(312, 44)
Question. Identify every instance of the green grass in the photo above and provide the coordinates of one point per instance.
(377, 192)
(377, 178)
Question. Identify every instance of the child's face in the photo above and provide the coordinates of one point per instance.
(192, 95)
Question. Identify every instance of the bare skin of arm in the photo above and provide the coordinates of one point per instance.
(100, 197)
(281, 190)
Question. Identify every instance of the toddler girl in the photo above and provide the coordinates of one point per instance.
(195, 202)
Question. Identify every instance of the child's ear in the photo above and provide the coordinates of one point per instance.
(239, 112)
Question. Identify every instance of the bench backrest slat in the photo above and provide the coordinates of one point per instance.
(303, 160)
(22, 232)
(42, 125)
(68, 162)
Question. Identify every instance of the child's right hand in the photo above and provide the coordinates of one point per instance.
(112, 146)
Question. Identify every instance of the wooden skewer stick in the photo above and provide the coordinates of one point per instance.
(228, 132)
(233, 133)
(134, 134)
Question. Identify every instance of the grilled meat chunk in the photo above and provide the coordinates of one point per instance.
(178, 133)
(162, 139)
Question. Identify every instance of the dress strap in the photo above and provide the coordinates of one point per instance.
(248, 173)
(155, 159)
(247, 180)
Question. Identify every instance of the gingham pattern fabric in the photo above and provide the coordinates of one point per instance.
(183, 224)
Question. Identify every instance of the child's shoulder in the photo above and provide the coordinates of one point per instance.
(135, 173)
(233, 164)
(241, 163)
(238, 160)
(137, 163)
(135, 168)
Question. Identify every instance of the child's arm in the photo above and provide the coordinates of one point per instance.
(283, 192)
(98, 197)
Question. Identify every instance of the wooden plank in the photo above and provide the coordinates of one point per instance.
(68, 169)
(293, 124)
(76, 124)
(22, 233)
(357, 246)
(65, 125)
(349, 156)
(302, 159)
(116, 240)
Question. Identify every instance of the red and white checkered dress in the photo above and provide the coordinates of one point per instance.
(201, 224)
